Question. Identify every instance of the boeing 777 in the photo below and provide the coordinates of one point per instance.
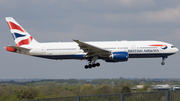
(109, 51)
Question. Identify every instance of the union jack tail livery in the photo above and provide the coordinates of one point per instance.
(20, 36)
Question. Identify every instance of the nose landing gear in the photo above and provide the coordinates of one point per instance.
(162, 63)
(163, 59)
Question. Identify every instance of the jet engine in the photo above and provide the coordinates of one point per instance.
(118, 57)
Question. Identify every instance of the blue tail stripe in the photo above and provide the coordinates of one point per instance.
(18, 35)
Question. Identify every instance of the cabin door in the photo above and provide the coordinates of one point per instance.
(43, 50)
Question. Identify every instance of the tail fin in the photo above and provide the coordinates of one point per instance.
(20, 36)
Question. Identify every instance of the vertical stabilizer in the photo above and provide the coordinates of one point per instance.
(20, 36)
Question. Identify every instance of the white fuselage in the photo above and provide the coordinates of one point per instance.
(71, 50)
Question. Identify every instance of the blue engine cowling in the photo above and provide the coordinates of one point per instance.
(118, 57)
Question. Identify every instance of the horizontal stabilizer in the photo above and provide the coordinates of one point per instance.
(16, 47)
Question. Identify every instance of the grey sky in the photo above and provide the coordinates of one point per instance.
(90, 20)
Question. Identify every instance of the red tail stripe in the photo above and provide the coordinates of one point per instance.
(14, 26)
(9, 25)
(25, 41)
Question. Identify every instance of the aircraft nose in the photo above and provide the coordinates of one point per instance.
(176, 50)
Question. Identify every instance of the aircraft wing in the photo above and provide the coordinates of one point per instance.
(92, 50)
(16, 47)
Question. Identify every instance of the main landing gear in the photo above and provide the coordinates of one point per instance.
(92, 63)
(163, 59)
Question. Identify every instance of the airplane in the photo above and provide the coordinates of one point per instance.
(109, 51)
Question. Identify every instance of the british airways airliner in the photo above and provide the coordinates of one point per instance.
(109, 51)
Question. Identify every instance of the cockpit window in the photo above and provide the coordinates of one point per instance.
(172, 46)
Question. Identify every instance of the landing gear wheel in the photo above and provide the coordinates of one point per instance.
(86, 66)
(98, 64)
(93, 65)
(90, 66)
(162, 63)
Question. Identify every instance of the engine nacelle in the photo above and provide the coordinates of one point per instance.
(118, 56)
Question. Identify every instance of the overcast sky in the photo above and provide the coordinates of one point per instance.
(90, 20)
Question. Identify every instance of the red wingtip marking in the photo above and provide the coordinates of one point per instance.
(10, 49)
